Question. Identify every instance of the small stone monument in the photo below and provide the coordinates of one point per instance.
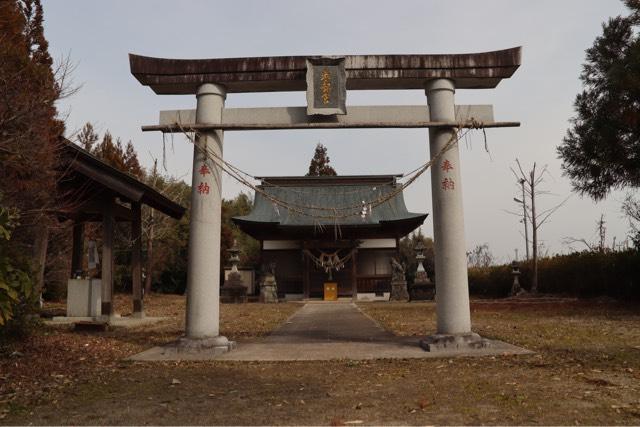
(422, 288)
(269, 287)
(398, 282)
(233, 291)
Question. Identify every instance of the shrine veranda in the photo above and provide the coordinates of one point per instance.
(327, 80)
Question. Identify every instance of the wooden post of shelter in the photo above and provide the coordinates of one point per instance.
(306, 279)
(77, 249)
(136, 259)
(108, 223)
(354, 274)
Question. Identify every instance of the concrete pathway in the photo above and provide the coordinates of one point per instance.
(323, 331)
(324, 322)
(342, 331)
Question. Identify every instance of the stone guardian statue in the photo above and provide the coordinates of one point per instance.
(398, 281)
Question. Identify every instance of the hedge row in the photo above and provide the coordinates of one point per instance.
(583, 274)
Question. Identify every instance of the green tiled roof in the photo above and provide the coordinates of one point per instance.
(328, 192)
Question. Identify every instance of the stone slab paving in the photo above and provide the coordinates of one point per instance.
(328, 332)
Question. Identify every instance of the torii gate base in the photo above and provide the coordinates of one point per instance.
(448, 342)
(326, 81)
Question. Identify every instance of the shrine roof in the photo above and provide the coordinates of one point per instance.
(344, 193)
(88, 177)
(288, 73)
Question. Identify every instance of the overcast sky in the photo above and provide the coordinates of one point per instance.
(98, 35)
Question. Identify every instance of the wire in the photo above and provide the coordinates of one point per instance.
(346, 211)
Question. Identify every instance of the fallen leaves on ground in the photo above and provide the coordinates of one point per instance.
(56, 356)
(584, 371)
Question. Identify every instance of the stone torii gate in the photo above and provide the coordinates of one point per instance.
(326, 80)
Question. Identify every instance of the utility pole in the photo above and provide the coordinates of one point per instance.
(524, 218)
(523, 201)
(534, 229)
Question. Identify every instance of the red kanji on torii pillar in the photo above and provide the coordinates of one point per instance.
(326, 79)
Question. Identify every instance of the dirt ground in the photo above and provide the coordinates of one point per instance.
(586, 371)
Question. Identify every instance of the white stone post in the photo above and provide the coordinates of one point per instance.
(203, 277)
(452, 286)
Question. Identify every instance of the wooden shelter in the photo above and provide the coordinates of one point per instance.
(362, 237)
(93, 191)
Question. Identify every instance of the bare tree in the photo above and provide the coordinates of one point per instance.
(600, 245)
(148, 230)
(631, 208)
(480, 256)
(530, 182)
(155, 227)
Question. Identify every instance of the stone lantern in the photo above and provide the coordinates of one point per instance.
(233, 291)
(515, 272)
(422, 288)
(421, 273)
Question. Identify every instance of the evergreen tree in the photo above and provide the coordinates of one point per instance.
(29, 129)
(88, 137)
(319, 165)
(249, 247)
(112, 152)
(601, 150)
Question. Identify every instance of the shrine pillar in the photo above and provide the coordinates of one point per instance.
(452, 286)
(203, 276)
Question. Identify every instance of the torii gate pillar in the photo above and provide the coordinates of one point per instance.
(452, 284)
(203, 277)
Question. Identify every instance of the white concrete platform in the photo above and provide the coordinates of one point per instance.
(115, 321)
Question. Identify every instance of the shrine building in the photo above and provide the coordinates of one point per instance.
(327, 233)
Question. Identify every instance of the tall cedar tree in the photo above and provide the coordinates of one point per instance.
(319, 165)
(601, 150)
(29, 130)
(121, 157)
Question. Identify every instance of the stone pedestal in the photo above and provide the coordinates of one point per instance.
(269, 290)
(442, 342)
(233, 290)
(84, 297)
(399, 291)
(422, 291)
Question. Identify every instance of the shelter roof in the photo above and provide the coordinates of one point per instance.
(344, 193)
(288, 73)
(87, 177)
